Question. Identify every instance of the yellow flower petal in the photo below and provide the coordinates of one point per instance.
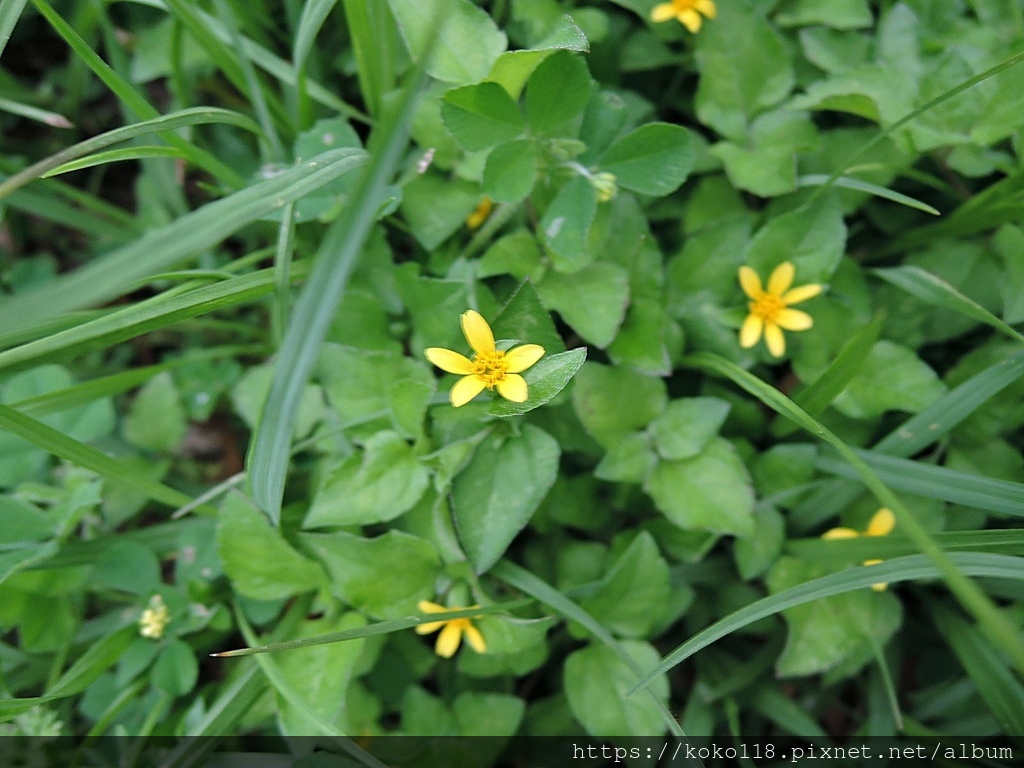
(448, 640)
(429, 627)
(425, 606)
(663, 12)
(801, 293)
(513, 387)
(477, 331)
(751, 331)
(872, 562)
(707, 7)
(690, 19)
(794, 320)
(781, 278)
(882, 523)
(750, 283)
(466, 389)
(475, 639)
(522, 357)
(880, 586)
(840, 533)
(774, 339)
(449, 361)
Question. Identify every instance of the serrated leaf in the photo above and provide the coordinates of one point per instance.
(545, 379)
(653, 160)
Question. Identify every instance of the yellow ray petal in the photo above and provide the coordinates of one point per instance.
(801, 293)
(521, 358)
(425, 606)
(882, 523)
(448, 640)
(794, 320)
(513, 387)
(774, 339)
(707, 7)
(449, 361)
(781, 278)
(751, 331)
(840, 533)
(477, 331)
(690, 19)
(466, 389)
(880, 586)
(663, 12)
(475, 639)
(750, 283)
(429, 627)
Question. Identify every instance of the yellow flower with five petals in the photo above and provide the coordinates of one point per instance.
(452, 630)
(686, 12)
(881, 524)
(770, 311)
(490, 367)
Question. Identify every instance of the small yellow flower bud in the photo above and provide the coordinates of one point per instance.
(154, 619)
(604, 184)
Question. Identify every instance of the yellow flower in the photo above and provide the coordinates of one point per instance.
(489, 368)
(769, 309)
(452, 630)
(154, 619)
(604, 184)
(479, 216)
(881, 524)
(686, 12)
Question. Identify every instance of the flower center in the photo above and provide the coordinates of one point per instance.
(767, 307)
(490, 367)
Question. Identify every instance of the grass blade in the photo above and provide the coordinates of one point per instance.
(538, 589)
(161, 124)
(820, 179)
(59, 444)
(162, 248)
(10, 12)
(270, 448)
(374, 38)
(114, 156)
(934, 290)
(1002, 542)
(314, 14)
(34, 113)
(992, 621)
(859, 577)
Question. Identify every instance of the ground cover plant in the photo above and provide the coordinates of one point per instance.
(517, 367)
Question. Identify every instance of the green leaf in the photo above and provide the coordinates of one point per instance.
(566, 224)
(711, 491)
(256, 557)
(250, 393)
(468, 44)
(156, 419)
(653, 160)
(556, 93)
(374, 486)
(513, 68)
(744, 68)
(436, 206)
(597, 684)
(754, 555)
(813, 237)
(846, 182)
(113, 156)
(628, 460)
(21, 521)
(838, 14)
(647, 339)
(545, 379)
(525, 319)
(687, 425)
(593, 300)
(127, 566)
(832, 630)
(908, 384)
(511, 171)
(176, 670)
(614, 402)
(385, 576)
(634, 593)
(481, 116)
(495, 496)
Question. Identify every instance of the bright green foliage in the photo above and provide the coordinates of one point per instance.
(232, 232)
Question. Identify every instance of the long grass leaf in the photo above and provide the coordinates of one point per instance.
(540, 590)
(909, 568)
(314, 14)
(34, 113)
(56, 442)
(820, 179)
(270, 448)
(161, 124)
(934, 290)
(114, 156)
(1002, 542)
(166, 246)
(149, 315)
(992, 621)
(374, 38)
(10, 12)
(999, 689)
(132, 99)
